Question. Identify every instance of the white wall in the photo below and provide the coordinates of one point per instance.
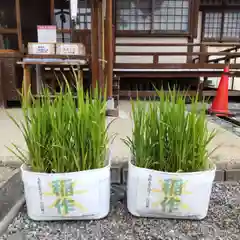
(149, 59)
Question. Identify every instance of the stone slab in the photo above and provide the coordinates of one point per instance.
(225, 147)
(220, 176)
(119, 173)
(116, 174)
(11, 199)
(10, 193)
(5, 174)
(233, 175)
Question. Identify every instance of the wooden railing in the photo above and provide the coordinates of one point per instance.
(226, 59)
(199, 59)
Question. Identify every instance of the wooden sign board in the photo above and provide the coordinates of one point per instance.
(70, 49)
(41, 48)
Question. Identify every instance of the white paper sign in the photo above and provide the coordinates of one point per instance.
(70, 49)
(41, 48)
(47, 34)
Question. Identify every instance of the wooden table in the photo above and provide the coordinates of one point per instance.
(27, 63)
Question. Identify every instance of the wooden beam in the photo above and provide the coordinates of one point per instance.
(19, 27)
(52, 15)
(201, 53)
(213, 44)
(125, 76)
(94, 43)
(183, 66)
(77, 57)
(109, 39)
(8, 30)
(212, 93)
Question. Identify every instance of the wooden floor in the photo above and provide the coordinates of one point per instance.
(213, 92)
(143, 94)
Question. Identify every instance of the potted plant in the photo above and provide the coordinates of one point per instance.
(170, 174)
(66, 169)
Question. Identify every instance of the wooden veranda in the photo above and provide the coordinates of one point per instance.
(200, 64)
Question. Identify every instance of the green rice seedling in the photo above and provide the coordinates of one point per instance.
(167, 137)
(62, 137)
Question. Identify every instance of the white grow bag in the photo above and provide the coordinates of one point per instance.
(62, 196)
(159, 194)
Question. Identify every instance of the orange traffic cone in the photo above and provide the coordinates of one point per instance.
(220, 103)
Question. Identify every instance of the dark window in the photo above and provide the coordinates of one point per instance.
(133, 15)
(232, 2)
(152, 16)
(8, 25)
(62, 20)
(211, 2)
(7, 14)
(83, 15)
(221, 26)
(9, 41)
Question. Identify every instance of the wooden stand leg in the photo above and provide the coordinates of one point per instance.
(80, 76)
(39, 79)
(26, 83)
(3, 102)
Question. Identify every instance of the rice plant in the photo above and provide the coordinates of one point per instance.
(167, 137)
(62, 137)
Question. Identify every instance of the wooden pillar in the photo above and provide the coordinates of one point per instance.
(105, 53)
(109, 44)
(190, 50)
(52, 15)
(19, 27)
(100, 46)
(103, 45)
(26, 83)
(203, 58)
(94, 43)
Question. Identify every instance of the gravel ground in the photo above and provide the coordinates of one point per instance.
(223, 222)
